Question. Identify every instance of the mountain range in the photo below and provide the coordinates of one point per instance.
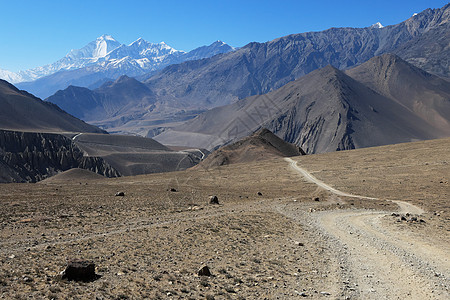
(258, 68)
(105, 58)
(180, 91)
(383, 101)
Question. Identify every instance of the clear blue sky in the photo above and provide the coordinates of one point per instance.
(38, 32)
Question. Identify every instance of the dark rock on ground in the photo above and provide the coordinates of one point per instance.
(79, 270)
(120, 194)
(213, 200)
(204, 271)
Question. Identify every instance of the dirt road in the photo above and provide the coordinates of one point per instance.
(376, 261)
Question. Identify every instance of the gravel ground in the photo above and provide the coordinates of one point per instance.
(274, 234)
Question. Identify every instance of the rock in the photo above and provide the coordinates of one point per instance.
(213, 200)
(79, 270)
(259, 194)
(422, 221)
(316, 199)
(302, 294)
(204, 271)
(403, 218)
(413, 219)
(173, 190)
(120, 194)
(26, 279)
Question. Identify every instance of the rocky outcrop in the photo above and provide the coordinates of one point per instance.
(31, 157)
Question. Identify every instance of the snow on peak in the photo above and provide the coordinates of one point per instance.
(106, 53)
(106, 37)
(414, 14)
(377, 25)
(95, 49)
(9, 76)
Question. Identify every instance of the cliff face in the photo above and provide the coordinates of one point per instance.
(31, 157)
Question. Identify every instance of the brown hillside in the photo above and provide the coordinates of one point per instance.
(262, 144)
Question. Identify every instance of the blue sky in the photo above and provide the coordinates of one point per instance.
(35, 33)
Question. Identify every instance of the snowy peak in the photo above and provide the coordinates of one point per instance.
(95, 49)
(142, 49)
(377, 25)
(105, 54)
(10, 76)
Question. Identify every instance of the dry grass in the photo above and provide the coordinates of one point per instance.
(150, 243)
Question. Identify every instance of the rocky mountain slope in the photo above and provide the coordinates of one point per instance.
(426, 95)
(262, 144)
(327, 110)
(20, 110)
(123, 94)
(107, 58)
(133, 155)
(31, 157)
(34, 156)
(259, 68)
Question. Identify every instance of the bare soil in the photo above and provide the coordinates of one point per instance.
(274, 234)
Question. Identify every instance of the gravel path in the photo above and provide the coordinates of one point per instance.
(376, 261)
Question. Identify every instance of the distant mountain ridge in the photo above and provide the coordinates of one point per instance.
(105, 57)
(22, 111)
(259, 68)
(329, 110)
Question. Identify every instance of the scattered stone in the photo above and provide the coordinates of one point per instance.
(299, 244)
(403, 218)
(213, 200)
(422, 221)
(79, 270)
(26, 279)
(413, 219)
(259, 194)
(316, 199)
(120, 194)
(302, 294)
(173, 190)
(204, 271)
(395, 215)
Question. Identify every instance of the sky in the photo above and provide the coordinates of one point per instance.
(35, 33)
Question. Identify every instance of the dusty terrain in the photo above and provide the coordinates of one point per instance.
(281, 243)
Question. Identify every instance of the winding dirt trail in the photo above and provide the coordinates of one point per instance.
(377, 262)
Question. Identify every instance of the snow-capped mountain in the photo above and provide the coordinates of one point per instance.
(377, 25)
(107, 53)
(9, 76)
(75, 59)
(102, 58)
(94, 50)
